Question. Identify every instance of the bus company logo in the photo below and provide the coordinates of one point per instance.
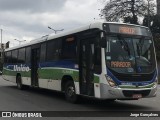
(21, 68)
(6, 114)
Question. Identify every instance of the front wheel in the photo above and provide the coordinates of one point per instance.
(70, 93)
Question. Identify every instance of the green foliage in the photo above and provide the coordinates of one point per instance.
(154, 23)
(156, 38)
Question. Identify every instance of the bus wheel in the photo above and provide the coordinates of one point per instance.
(19, 83)
(70, 94)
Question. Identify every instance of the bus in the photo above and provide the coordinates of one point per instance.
(103, 60)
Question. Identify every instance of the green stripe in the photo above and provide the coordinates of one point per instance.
(51, 73)
(14, 73)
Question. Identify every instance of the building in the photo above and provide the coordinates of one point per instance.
(158, 7)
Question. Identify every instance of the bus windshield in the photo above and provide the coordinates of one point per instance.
(130, 55)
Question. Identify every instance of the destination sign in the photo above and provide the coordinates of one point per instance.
(126, 29)
(117, 64)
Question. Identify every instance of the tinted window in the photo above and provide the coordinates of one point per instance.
(14, 56)
(43, 52)
(69, 49)
(21, 55)
(97, 67)
(28, 54)
(53, 50)
(5, 57)
(8, 57)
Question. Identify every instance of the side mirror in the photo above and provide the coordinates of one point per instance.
(103, 42)
(103, 39)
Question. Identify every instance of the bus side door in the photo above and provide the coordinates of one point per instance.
(86, 70)
(35, 56)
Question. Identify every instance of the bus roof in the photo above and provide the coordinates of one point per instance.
(64, 33)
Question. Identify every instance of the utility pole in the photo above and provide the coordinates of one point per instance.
(1, 37)
(1, 53)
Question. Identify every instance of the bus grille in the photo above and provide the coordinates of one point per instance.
(130, 93)
(134, 78)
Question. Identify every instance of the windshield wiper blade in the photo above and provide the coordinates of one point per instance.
(125, 44)
(139, 46)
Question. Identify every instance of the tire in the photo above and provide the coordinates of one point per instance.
(70, 93)
(19, 84)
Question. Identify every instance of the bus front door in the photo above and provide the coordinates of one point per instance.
(34, 66)
(86, 64)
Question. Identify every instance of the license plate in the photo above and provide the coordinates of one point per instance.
(137, 96)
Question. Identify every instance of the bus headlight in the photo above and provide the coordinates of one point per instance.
(110, 81)
(156, 81)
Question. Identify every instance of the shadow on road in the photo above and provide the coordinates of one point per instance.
(87, 102)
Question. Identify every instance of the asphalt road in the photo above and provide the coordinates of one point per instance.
(12, 99)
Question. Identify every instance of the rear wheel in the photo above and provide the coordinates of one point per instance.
(70, 93)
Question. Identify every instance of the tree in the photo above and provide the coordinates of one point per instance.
(127, 10)
(155, 29)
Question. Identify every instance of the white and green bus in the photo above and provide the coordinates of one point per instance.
(102, 60)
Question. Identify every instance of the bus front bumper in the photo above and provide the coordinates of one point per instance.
(107, 92)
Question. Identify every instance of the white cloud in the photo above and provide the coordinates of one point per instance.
(25, 23)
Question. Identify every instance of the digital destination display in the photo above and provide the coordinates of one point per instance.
(126, 29)
(117, 64)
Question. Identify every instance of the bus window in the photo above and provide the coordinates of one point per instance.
(69, 49)
(14, 56)
(8, 57)
(97, 67)
(43, 52)
(5, 57)
(53, 50)
(28, 54)
(21, 55)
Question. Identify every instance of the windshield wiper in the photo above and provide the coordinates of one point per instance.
(124, 44)
(139, 46)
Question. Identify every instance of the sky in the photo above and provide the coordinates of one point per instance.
(29, 19)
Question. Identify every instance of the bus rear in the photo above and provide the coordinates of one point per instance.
(131, 69)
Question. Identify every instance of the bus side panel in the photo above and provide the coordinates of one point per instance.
(43, 83)
(26, 81)
(9, 74)
(50, 77)
(10, 78)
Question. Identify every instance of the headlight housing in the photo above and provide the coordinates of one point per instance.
(110, 81)
(156, 81)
